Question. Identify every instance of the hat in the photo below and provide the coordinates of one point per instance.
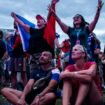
(38, 17)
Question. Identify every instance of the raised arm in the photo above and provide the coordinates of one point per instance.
(63, 26)
(94, 22)
(16, 19)
(52, 5)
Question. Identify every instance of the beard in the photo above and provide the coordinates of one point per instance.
(43, 63)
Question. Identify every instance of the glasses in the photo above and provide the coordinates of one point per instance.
(76, 17)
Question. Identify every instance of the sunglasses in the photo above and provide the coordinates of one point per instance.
(76, 17)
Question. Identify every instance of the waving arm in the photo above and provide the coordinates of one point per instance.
(63, 26)
(26, 27)
(94, 22)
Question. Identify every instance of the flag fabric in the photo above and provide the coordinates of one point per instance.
(49, 33)
(66, 45)
(10, 40)
(17, 42)
(25, 36)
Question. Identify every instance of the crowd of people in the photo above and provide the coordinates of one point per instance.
(75, 69)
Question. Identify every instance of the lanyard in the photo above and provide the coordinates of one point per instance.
(78, 33)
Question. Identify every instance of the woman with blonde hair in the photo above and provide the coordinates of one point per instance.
(81, 83)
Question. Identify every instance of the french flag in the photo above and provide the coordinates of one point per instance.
(49, 32)
(25, 36)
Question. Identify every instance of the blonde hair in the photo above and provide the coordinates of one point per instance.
(83, 49)
(80, 47)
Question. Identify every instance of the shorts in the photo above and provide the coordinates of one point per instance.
(15, 64)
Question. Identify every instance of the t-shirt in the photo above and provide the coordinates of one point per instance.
(39, 73)
(80, 34)
(37, 43)
(72, 68)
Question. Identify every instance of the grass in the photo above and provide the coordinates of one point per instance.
(3, 101)
(58, 102)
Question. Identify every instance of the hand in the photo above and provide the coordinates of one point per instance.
(100, 4)
(36, 101)
(55, 1)
(21, 102)
(42, 100)
(50, 9)
(64, 74)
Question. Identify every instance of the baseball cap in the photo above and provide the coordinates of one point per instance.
(38, 17)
